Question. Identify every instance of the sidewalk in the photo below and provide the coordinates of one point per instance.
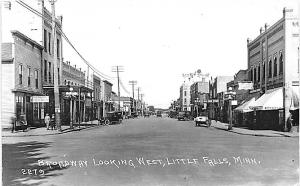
(44, 132)
(242, 131)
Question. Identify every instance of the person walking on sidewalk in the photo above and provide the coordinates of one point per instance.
(52, 122)
(47, 121)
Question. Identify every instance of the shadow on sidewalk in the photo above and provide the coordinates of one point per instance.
(18, 157)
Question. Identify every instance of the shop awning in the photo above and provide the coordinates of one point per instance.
(295, 98)
(245, 107)
(270, 100)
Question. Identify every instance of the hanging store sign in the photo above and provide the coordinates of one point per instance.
(245, 86)
(39, 99)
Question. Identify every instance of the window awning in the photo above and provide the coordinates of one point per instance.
(245, 107)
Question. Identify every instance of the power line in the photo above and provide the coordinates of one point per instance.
(123, 87)
(66, 38)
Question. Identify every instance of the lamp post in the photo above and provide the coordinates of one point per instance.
(230, 98)
(71, 107)
(197, 104)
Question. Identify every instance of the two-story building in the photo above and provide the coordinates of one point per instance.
(199, 96)
(217, 88)
(21, 80)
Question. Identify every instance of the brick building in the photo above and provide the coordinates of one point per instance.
(273, 67)
(199, 96)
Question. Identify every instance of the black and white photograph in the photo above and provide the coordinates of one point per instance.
(150, 92)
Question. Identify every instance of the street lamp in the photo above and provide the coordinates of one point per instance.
(71, 103)
(197, 100)
(230, 94)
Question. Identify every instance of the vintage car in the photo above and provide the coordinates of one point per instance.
(202, 120)
(158, 114)
(184, 115)
(113, 117)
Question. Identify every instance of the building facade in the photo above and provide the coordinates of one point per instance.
(199, 96)
(21, 80)
(185, 97)
(273, 65)
(217, 88)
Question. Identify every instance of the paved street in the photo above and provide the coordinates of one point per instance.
(150, 151)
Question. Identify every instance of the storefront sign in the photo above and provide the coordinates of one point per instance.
(39, 99)
(233, 102)
(245, 86)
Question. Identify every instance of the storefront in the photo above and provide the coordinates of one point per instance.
(24, 106)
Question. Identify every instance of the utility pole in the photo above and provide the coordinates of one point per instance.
(118, 69)
(132, 83)
(138, 101)
(56, 88)
(142, 104)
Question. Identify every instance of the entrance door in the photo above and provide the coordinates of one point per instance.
(29, 111)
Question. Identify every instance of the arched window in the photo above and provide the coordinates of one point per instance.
(264, 71)
(254, 74)
(258, 73)
(280, 63)
(270, 68)
(275, 67)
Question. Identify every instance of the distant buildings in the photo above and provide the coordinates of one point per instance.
(185, 97)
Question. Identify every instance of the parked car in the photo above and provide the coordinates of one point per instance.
(202, 121)
(158, 114)
(113, 117)
(147, 114)
(184, 115)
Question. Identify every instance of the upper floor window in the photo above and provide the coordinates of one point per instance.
(49, 43)
(20, 74)
(184, 93)
(57, 48)
(45, 40)
(264, 71)
(36, 77)
(258, 73)
(255, 74)
(49, 72)
(45, 70)
(275, 67)
(280, 63)
(270, 68)
(28, 78)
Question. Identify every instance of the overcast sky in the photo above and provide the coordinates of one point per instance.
(158, 40)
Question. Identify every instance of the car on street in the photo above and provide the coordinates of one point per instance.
(113, 117)
(184, 115)
(202, 121)
(159, 114)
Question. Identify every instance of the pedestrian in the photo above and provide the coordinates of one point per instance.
(13, 122)
(52, 122)
(47, 121)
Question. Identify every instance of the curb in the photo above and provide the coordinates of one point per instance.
(260, 135)
(56, 133)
